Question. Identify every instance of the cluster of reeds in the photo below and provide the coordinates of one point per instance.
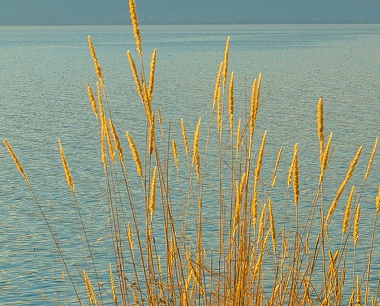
(164, 258)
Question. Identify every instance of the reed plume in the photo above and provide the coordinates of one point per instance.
(175, 153)
(231, 100)
(184, 135)
(90, 290)
(371, 160)
(358, 292)
(272, 226)
(238, 137)
(347, 178)
(378, 201)
(196, 141)
(321, 133)
(196, 157)
(15, 160)
(98, 69)
(274, 176)
(135, 154)
(296, 187)
(151, 74)
(256, 180)
(325, 157)
(225, 63)
(254, 107)
(261, 223)
(239, 195)
(130, 236)
(217, 85)
(92, 100)
(152, 130)
(356, 225)
(69, 178)
(347, 210)
(114, 293)
(135, 25)
(116, 140)
(152, 203)
(135, 75)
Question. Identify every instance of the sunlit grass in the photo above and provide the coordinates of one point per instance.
(162, 253)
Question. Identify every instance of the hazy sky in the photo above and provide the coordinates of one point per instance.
(189, 11)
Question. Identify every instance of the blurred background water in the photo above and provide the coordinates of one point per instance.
(43, 75)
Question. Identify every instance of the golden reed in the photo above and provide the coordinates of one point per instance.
(135, 25)
(69, 178)
(98, 69)
(135, 154)
(16, 161)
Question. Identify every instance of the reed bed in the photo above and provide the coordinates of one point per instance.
(163, 255)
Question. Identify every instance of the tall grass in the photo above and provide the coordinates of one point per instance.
(163, 255)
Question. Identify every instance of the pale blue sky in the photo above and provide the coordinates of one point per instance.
(189, 11)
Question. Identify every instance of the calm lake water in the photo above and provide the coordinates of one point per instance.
(43, 75)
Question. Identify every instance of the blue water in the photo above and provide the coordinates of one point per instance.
(43, 75)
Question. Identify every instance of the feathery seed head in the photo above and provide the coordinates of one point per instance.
(152, 204)
(66, 167)
(151, 74)
(225, 63)
(15, 160)
(321, 134)
(185, 137)
(92, 100)
(135, 154)
(231, 100)
(356, 225)
(98, 69)
(135, 25)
